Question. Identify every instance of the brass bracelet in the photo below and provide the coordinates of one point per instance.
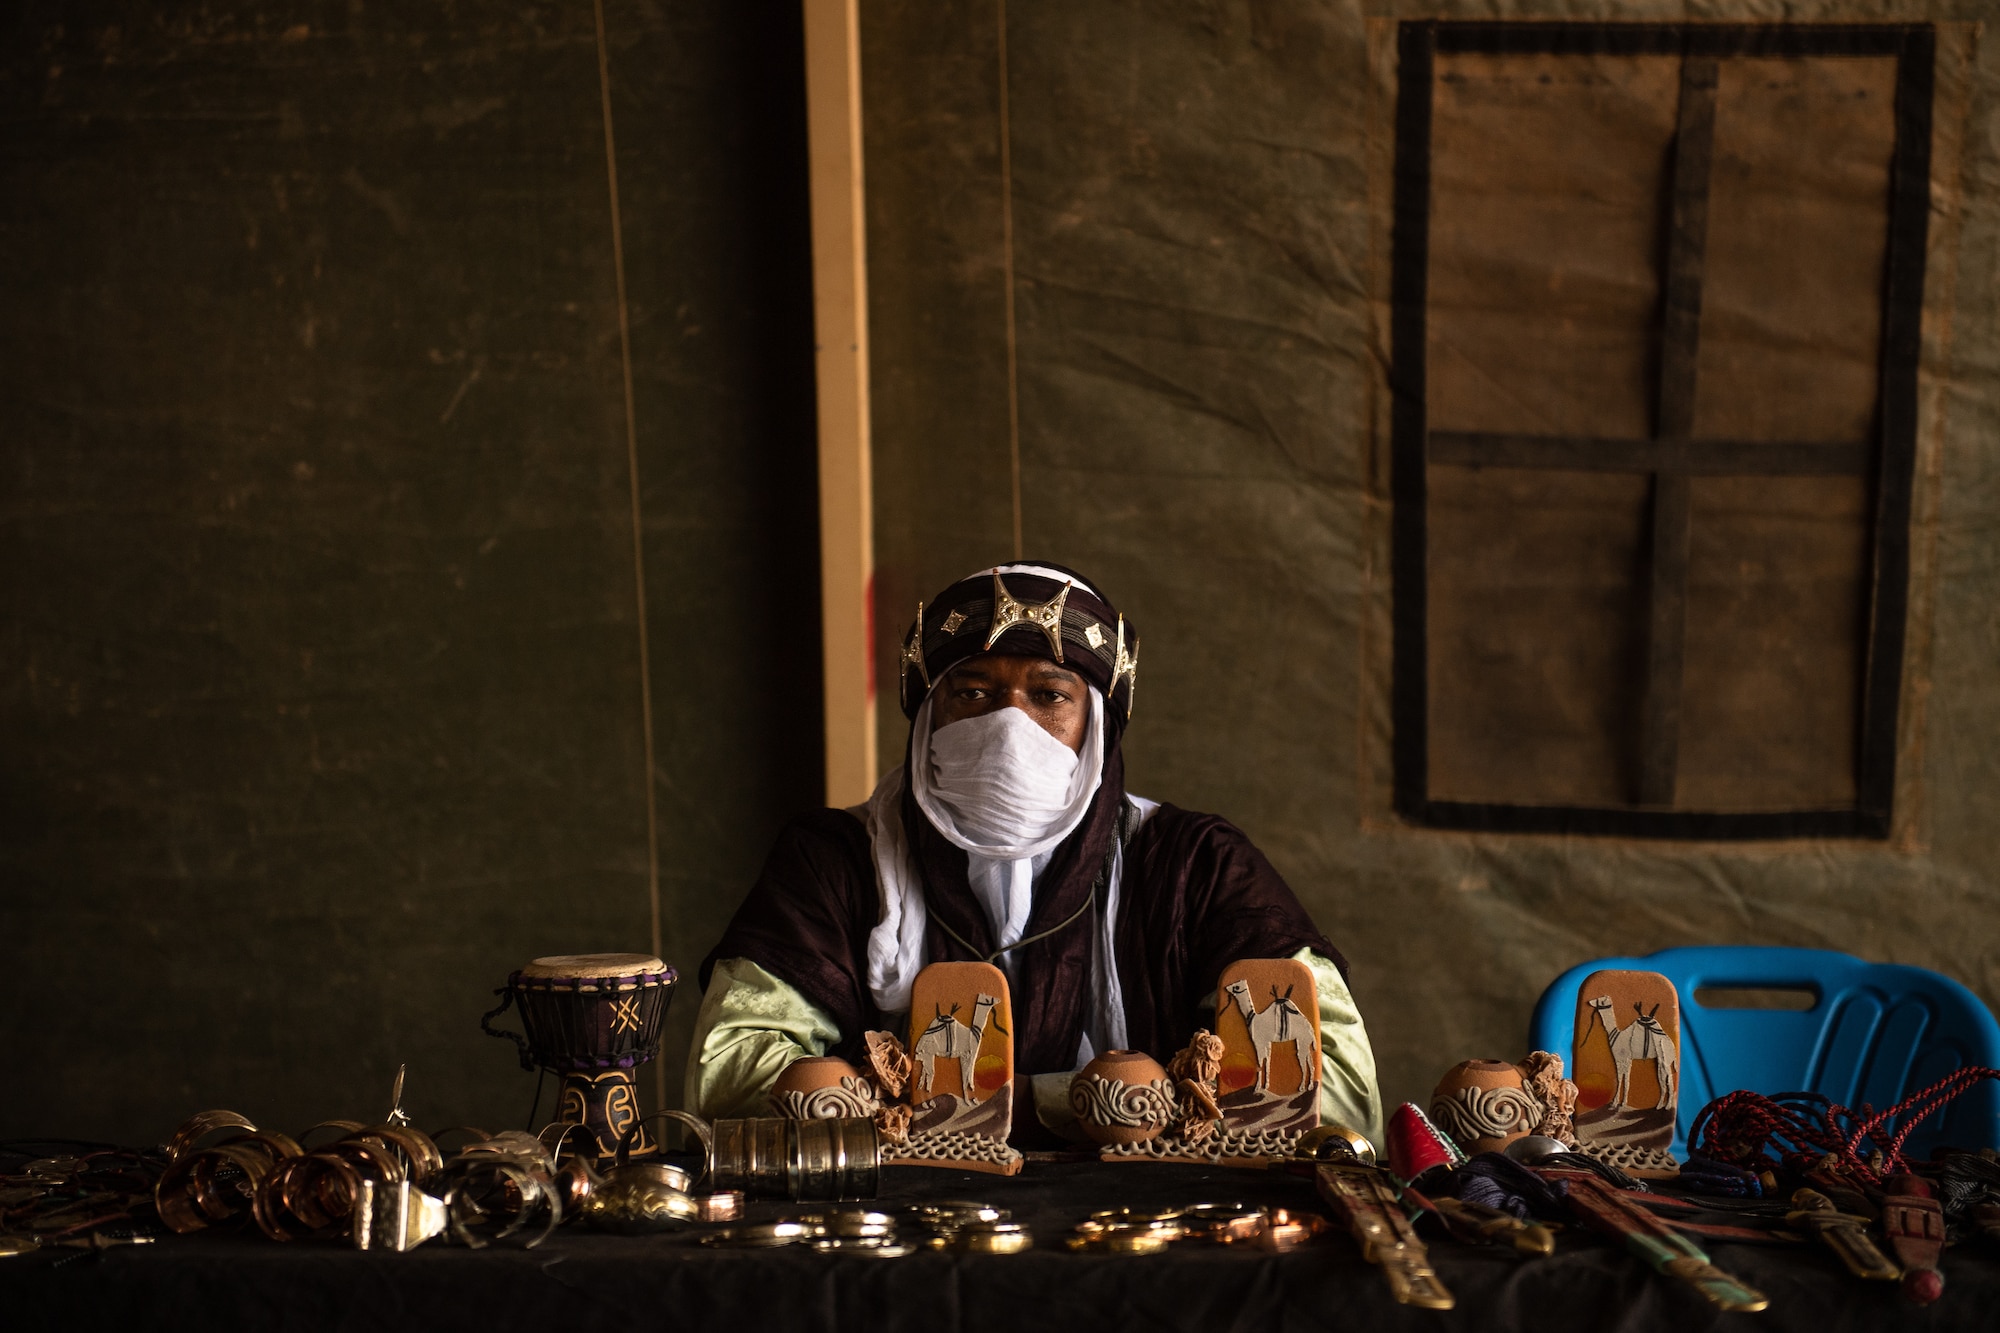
(198, 1127)
(994, 1238)
(722, 1206)
(346, 1127)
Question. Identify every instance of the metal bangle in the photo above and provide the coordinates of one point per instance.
(198, 1127)
(995, 1238)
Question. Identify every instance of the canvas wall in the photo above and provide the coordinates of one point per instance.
(321, 702)
(320, 688)
(1199, 256)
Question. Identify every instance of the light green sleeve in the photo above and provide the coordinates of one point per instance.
(750, 1027)
(1347, 1090)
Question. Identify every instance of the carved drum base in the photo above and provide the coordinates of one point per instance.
(606, 1103)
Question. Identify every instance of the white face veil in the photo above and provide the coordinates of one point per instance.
(999, 785)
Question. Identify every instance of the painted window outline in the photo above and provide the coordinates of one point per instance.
(1890, 466)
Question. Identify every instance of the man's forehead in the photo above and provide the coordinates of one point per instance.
(987, 664)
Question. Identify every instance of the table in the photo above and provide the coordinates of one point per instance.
(579, 1280)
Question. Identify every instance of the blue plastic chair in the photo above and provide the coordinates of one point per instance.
(1876, 1032)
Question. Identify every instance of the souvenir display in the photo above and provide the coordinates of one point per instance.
(1483, 1224)
(1417, 1146)
(1334, 1142)
(1913, 1224)
(1845, 1234)
(1267, 1014)
(1626, 1064)
(1134, 1231)
(819, 1159)
(947, 1098)
(1122, 1097)
(960, 1071)
(824, 1087)
(642, 1197)
(591, 1019)
(500, 1188)
(1244, 1093)
(968, 1228)
(1483, 1105)
(1542, 1079)
(1608, 1210)
(1368, 1201)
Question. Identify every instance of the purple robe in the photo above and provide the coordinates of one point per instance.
(1194, 897)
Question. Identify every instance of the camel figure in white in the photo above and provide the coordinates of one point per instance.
(953, 1040)
(1280, 1020)
(1641, 1039)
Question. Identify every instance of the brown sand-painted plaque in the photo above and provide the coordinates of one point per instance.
(1626, 1065)
(962, 1069)
(1267, 1015)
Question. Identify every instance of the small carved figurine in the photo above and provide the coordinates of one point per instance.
(1542, 1074)
(1194, 1070)
(893, 1121)
(888, 1063)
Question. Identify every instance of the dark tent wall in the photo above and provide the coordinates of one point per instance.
(1201, 196)
(320, 692)
(320, 696)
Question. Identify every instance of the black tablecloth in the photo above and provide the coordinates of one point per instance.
(580, 1281)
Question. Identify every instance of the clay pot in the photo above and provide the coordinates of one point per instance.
(1122, 1097)
(823, 1087)
(1484, 1105)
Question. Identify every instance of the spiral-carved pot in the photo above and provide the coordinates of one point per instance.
(1484, 1105)
(1122, 1097)
(823, 1087)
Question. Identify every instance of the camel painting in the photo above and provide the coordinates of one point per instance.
(1628, 1074)
(1278, 1022)
(946, 1037)
(1261, 1006)
(960, 1115)
(1642, 1039)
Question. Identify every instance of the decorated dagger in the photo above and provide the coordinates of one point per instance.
(1913, 1224)
(1664, 1249)
(1479, 1224)
(1366, 1200)
(1843, 1233)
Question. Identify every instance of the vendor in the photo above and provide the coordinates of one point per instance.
(1007, 835)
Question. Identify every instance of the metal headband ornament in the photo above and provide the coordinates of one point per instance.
(1009, 611)
(1125, 666)
(913, 651)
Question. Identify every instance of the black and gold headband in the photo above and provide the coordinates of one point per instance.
(1053, 615)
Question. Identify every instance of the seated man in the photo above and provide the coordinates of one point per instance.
(1007, 836)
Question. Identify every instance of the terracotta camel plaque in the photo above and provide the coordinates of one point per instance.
(961, 1069)
(1267, 1014)
(1626, 1065)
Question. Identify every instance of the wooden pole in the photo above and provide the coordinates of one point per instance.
(840, 317)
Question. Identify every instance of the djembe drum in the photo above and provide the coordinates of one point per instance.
(591, 1019)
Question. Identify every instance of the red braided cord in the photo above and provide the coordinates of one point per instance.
(1741, 1127)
